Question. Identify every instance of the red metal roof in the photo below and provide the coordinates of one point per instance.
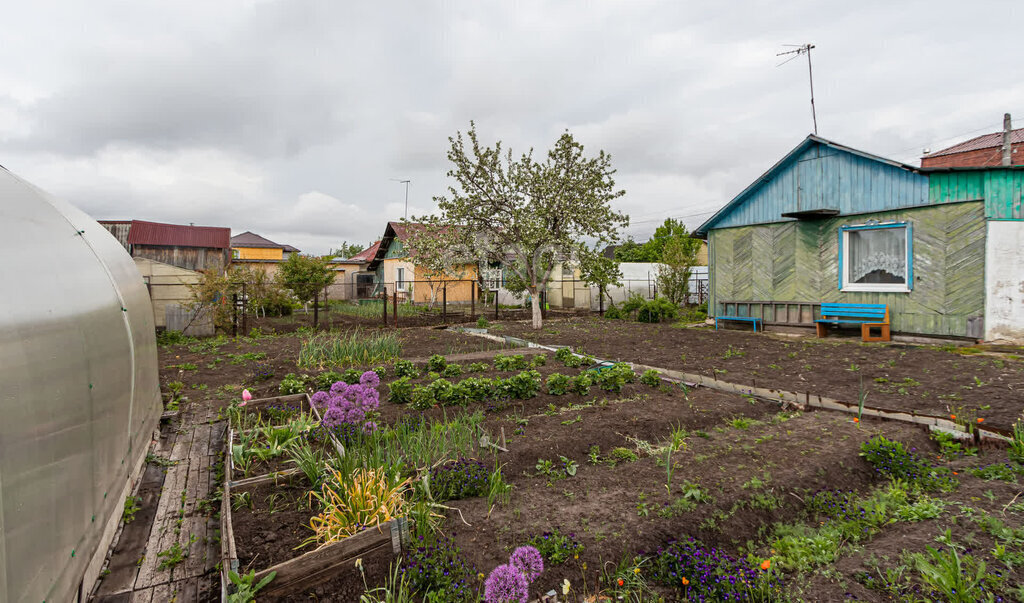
(178, 235)
(985, 141)
(367, 254)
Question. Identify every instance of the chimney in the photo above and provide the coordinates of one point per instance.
(1007, 152)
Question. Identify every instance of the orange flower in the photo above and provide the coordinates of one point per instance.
(856, 420)
(685, 581)
(767, 563)
(952, 417)
(621, 582)
(955, 473)
(980, 419)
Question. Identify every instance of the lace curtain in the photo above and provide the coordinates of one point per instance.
(878, 255)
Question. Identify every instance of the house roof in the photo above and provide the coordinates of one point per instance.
(394, 230)
(985, 141)
(178, 235)
(367, 254)
(702, 230)
(251, 239)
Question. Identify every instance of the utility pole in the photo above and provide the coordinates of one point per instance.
(799, 50)
(406, 183)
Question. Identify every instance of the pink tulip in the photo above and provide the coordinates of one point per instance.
(246, 395)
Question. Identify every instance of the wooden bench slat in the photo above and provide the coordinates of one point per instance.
(866, 315)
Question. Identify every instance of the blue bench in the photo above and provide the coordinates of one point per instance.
(749, 319)
(868, 316)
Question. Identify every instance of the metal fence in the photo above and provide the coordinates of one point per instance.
(440, 301)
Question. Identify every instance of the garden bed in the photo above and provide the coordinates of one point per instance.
(615, 475)
(927, 379)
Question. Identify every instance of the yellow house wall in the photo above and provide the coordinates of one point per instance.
(460, 292)
(702, 255)
(259, 253)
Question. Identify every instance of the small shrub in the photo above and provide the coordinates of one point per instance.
(461, 478)
(557, 548)
(614, 378)
(324, 381)
(482, 323)
(558, 384)
(351, 376)
(659, 309)
(291, 385)
(173, 338)
(623, 455)
(405, 368)
(567, 358)
(539, 360)
(452, 370)
(651, 377)
(478, 367)
(436, 363)
(522, 386)
(509, 363)
(400, 391)
(581, 384)
(613, 313)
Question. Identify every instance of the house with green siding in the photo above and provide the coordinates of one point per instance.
(829, 223)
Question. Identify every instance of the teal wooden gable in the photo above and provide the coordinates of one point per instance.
(824, 178)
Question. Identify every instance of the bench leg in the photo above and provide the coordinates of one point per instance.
(822, 329)
(865, 332)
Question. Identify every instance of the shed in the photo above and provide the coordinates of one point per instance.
(191, 247)
(79, 393)
(829, 223)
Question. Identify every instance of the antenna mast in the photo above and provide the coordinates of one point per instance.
(799, 50)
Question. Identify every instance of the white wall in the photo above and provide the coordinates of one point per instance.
(640, 277)
(1004, 281)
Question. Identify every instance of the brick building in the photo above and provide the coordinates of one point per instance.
(982, 151)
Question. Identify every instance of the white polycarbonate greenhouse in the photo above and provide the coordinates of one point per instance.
(79, 392)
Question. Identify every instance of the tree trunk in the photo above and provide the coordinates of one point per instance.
(535, 302)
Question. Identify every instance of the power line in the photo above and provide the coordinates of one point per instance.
(663, 218)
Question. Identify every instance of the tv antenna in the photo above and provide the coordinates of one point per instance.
(796, 52)
(406, 183)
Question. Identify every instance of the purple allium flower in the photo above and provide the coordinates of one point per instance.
(506, 584)
(339, 387)
(320, 399)
(527, 560)
(369, 379)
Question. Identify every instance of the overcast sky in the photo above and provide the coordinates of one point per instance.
(290, 118)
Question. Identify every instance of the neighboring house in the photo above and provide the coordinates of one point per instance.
(190, 247)
(829, 223)
(354, 279)
(988, 150)
(348, 275)
(393, 270)
(252, 250)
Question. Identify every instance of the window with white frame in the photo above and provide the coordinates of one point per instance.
(400, 279)
(876, 257)
(492, 278)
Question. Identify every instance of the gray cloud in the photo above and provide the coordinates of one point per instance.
(289, 118)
